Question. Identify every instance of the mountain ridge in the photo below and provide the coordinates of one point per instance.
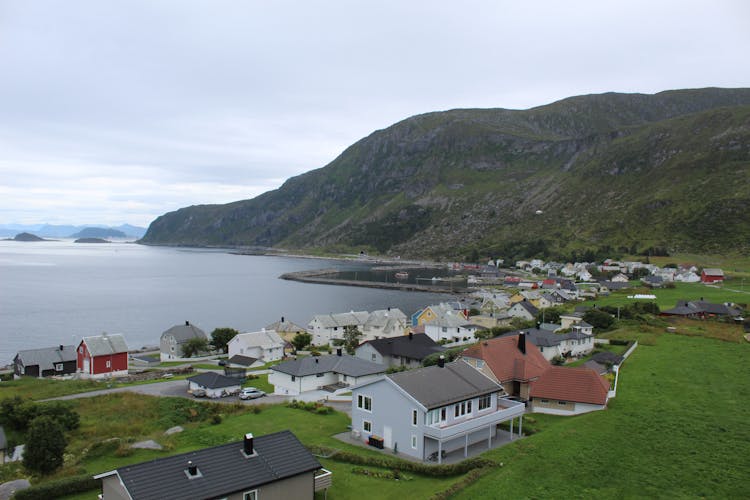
(466, 181)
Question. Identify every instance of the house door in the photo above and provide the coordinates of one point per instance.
(387, 437)
(86, 365)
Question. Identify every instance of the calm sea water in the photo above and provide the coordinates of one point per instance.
(57, 292)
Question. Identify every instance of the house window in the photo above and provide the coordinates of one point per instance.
(318, 374)
(414, 417)
(468, 407)
(545, 401)
(443, 414)
(109, 364)
(80, 349)
(562, 402)
(367, 426)
(364, 402)
(414, 441)
(250, 495)
(460, 409)
(294, 378)
(434, 416)
(480, 363)
(485, 402)
(58, 367)
(374, 356)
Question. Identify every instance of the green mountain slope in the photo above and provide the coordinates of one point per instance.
(607, 172)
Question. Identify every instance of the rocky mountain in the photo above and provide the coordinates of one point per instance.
(596, 173)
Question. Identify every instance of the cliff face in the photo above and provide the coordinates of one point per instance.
(631, 171)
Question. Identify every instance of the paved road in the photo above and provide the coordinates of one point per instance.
(172, 388)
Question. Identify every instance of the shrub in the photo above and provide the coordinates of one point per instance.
(216, 419)
(45, 445)
(59, 488)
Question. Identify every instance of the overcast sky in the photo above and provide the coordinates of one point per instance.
(117, 112)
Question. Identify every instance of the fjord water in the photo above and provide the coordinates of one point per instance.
(56, 292)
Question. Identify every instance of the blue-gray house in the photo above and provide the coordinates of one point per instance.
(428, 411)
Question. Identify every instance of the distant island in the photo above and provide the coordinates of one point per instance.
(91, 240)
(26, 237)
(98, 232)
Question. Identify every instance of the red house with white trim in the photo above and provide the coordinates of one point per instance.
(102, 356)
(712, 275)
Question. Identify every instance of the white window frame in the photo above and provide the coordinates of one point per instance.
(250, 495)
(365, 425)
(362, 402)
(414, 441)
(414, 416)
(485, 402)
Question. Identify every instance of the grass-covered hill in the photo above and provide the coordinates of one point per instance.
(609, 172)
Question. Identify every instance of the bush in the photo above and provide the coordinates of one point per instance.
(45, 445)
(59, 488)
(216, 419)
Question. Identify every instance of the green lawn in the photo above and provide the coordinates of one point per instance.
(678, 428)
(667, 298)
(260, 383)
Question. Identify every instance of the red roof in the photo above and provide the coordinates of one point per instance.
(581, 385)
(506, 360)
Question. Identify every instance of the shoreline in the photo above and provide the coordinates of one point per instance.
(318, 276)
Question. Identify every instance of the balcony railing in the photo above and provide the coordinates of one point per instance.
(323, 479)
(506, 410)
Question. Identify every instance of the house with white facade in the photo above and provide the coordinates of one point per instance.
(572, 344)
(451, 328)
(172, 340)
(325, 328)
(265, 345)
(406, 350)
(524, 310)
(384, 323)
(426, 412)
(312, 373)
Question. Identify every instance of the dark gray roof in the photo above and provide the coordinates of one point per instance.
(606, 357)
(528, 306)
(434, 387)
(546, 338)
(239, 359)
(46, 357)
(213, 380)
(185, 332)
(344, 364)
(597, 367)
(418, 346)
(222, 469)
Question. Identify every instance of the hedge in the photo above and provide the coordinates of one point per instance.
(470, 478)
(403, 465)
(59, 488)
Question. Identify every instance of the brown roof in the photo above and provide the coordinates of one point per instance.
(506, 360)
(581, 385)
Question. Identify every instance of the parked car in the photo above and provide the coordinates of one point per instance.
(199, 393)
(251, 393)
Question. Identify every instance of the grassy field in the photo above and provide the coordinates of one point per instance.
(667, 298)
(678, 428)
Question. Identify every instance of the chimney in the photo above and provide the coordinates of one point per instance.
(247, 446)
(441, 361)
(522, 342)
(187, 323)
(62, 347)
(338, 351)
(282, 319)
(411, 335)
(192, 468)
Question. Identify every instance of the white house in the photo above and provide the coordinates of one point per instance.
(312, 373)
(451, 328)
(524, 310)
(265, 345)
(384, 323)
(172, 340)
(215, 384)
(325, 328)
(551, 345)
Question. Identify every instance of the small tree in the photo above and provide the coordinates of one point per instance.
(351, 338)
(193, 346)
(45, 445)
(301, 340)
(598, 319)
(220, 338)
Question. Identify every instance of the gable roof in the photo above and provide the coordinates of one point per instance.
(580, 385)
(528, 306)
(713, 272)
(213, 380)
(341, 319)
(46, 357)
(223, 469)
(284, 326)
(101, 345)
(417, 346)
(344, 364)
(265, 339)
(506, 361)
(434, 386)
(183, 333)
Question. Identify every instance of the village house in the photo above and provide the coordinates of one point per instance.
(569, 391)
(271, 467)
(426, 412)
(701, 309)
(172, 340)
(286, 329)
(214, 384)
(325, 328)
(524, 310)
(314, 373)
(102, 356)
(265, 345)
(451, 328)
(46, 361)
(407, 350)
(573, 344)
(384, 323)
(430, 313)
(712, 275)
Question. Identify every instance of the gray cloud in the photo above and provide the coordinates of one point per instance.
(120, 111)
